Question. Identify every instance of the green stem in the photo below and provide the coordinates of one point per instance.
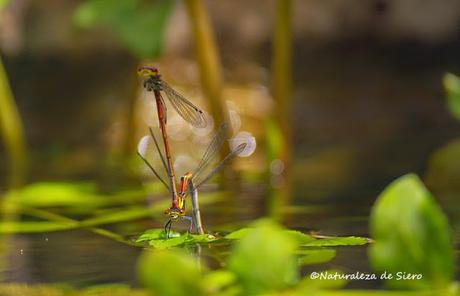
(281, 91)
(58, 218)
(12, 132)
(208, 59)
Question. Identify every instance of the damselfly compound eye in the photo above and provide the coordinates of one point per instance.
(143, 146)
(244, 143)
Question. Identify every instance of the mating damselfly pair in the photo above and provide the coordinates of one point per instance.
(190, 182)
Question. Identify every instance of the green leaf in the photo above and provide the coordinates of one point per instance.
(169, 243)
(307, 240)
(238, 234)
(9, 227)
(316, 256)
(67, 194)
(157, 238)
(264, 260)
(220, 282)
(139, 25)
(338, 241)
(3, 3)
(300, 237)
(411, 235)
(452, 86)
(158, 233)
(170, 273)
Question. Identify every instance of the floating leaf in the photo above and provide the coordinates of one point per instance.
(170, 273)
(411, 235)
(152, 234)
(309, 241)
(338, 241)
(263, 260)
(316, 256)
(169, 242)
(157, 238)
(452, 86)
(300, 237)
(238, 234)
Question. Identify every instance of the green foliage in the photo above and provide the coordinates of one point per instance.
(316, 256)
(263, 259)
(9, 227)
(67, 194)
(307, 240)
(3, 3)
(338, 241)
(138, 24)
(411, 235)
(170, 273)
(452, 86)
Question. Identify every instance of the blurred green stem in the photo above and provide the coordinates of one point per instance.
(12, 132)
(58, 218)
(208, 59)
(281, 91)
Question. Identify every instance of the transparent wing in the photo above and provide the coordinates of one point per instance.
(200, 181)
(142, 152)
(189, 112)
(211, 151)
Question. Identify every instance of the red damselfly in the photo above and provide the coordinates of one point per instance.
(188, 111)
(191, 182)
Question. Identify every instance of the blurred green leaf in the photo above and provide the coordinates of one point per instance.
(67, 194)
(9, 227)
(338, 241)
(138, 24)
(264, 260)
(170, 273)
(316, 256)
(3, 3)
(221, 282)
(452, 86)
(411, 235)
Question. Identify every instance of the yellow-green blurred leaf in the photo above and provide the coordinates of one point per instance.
(411, 235)
(452, 86)
(170, 273)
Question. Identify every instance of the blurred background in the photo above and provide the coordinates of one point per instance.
(342, 96)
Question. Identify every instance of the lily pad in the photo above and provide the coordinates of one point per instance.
(157, 239)
(316, 256)
(307, 240)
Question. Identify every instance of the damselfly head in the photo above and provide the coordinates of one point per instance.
(147, 71)
(174, 213)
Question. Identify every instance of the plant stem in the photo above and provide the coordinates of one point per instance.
(208, 59)
(281, 90)
(58, 218)
(12, 131)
